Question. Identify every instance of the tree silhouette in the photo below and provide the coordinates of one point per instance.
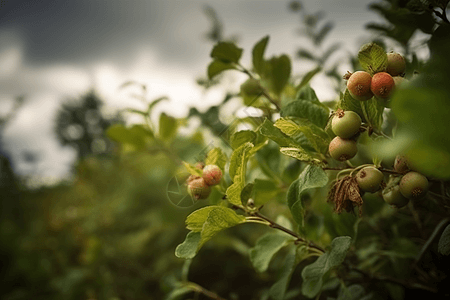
(81, 125)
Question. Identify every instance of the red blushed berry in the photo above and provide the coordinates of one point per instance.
(359, 85)
(198, 189)
(212, 174)
(382, 85)
(342, 149)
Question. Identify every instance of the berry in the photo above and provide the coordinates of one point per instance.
(413, 185)
(396, 64)
(198, 189)
(394, 197)
(342, 149)
(345, 124)
(401, 164)
(369, 179)
(382, 85)
(251, 87)
(212, 174)
(359, 84)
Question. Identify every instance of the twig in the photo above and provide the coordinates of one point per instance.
(416, 218)
(199, 289)
(288, 231)
(431, 239)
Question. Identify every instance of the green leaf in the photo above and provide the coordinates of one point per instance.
(265, 248)
(313, 274)
(192, 169)
(278, 71)
(237, 171)
(347, 102)
(205, 223)
(311, 177)
(167, 127)
(137, 136)
(258, 55)
(353, 292)
(226, 52)
(307, 93)
(278, 290)
(444, 242)
(301, 155)
(323, 33)
(372, 58)
(219, 219)
(188, 249)
(303, 53)
(264, 191)
(154, 103)
(308, 76)
(242, 137)
(217, 66)
(269, 130)
(196, 219)
(317, 113)
(216, 157)
(238, 157)
(318, 138)
(373, 113)
(246, 193)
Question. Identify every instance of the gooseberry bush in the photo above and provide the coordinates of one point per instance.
(364, 184)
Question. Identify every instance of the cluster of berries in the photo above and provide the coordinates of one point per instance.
(362, 86)
(347, 125)
(199, 187)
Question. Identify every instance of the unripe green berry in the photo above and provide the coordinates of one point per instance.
(396, 64)
(359, 84)
(369, 179)
(382, 85)
(345, 124)
(198, 189)
(342, 149)
(413, 185)
(212, 174)
(401, 164)
(394, 197)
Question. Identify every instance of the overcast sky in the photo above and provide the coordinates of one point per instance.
(51, 50)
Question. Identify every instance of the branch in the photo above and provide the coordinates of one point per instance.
(199, 289)
(275, 225)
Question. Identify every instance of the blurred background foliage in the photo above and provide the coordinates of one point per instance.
(110, 233)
